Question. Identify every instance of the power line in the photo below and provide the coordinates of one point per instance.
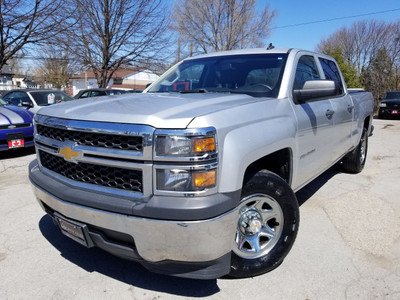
(335, 19)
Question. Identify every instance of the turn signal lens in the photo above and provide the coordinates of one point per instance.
(178, 180)
(203, 145)
(203, 179)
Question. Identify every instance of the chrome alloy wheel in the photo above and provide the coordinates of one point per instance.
(259, 226)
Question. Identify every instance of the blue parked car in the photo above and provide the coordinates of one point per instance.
(16, 127)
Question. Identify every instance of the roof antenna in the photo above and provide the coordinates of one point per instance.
(270, 46)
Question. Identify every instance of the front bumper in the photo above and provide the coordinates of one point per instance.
(195, 249)
(386, 112)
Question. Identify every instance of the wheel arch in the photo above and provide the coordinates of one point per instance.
(279, 162)
(368, 124)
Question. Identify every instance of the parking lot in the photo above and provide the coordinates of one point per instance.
(348, 245)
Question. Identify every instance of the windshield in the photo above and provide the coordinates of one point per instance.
(2, 102)
(258, 75)
(392, 95)
(44, 98)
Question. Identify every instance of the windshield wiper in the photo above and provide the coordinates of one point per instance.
(198, 91)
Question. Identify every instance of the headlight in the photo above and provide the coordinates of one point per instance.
(185, 143)
(186, 162)
(179, 180)
(382, 105)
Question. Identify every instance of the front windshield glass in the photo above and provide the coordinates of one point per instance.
(44, 98)
(258, 75)
(392, 95)
(2, 102)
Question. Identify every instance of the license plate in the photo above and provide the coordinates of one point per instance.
(15, 144)
(15, 140)
(395, 111)
(72, 230)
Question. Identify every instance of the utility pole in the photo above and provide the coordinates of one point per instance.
(179, 50)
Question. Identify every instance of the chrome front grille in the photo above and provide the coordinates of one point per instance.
(97, 155)
(92, 138)
(120, 178)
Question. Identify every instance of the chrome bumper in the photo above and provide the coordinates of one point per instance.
(157, 240)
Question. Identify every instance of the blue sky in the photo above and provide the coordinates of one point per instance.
(291, 12)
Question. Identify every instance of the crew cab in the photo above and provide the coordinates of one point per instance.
(196, 177)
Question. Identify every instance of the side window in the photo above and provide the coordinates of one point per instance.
(84, 95)
(98, 93)
(332, 73)
(306, 70)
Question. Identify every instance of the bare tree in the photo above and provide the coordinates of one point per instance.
(28, 22)
(114, 33)
(56, 66)
(216, 25)
(359, 42)
(373, 49)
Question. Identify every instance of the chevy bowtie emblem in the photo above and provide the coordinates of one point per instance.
(68, 153)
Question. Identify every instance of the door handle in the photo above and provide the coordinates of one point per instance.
(329, 113)
(350, 108)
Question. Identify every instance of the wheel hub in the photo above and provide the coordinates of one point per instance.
(250, 222)
(259, 227)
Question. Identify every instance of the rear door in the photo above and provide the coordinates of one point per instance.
(343, 108)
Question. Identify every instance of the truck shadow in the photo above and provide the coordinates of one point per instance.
(129, 272)
(15, 153)
(310, 189)
(132, 273)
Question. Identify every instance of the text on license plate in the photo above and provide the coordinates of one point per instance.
(73, 231)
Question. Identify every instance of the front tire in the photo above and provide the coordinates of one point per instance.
(267, 225)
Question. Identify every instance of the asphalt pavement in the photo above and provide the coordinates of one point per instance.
(348, 245)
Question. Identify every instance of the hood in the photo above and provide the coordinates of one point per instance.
(160, 110)
(14, 115)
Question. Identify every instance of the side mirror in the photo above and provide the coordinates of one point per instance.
(26, 104)
(315, 89)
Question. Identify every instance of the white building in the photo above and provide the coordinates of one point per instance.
(6, 75)
(24, 82)
(127, 79)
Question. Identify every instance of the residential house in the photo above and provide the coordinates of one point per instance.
(24, 82)
(6, 76)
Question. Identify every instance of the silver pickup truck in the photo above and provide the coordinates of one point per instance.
(196, 176)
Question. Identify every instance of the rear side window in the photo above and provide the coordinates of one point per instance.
(306, 70)
(331, 72)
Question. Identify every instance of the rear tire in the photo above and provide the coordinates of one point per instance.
(267, 225)
(354, 161)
